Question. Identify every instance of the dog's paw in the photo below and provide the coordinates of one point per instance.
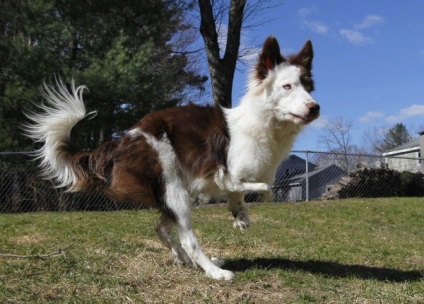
(242, 220)
(241, 224)
(221, 274)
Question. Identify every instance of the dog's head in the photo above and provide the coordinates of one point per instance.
(287, 82)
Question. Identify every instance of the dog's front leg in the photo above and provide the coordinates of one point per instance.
(262, 188)
(238, 208)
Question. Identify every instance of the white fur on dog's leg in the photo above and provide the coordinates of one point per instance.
(222, 274)
(190, 244)
(163, 227)
(182, 258)
(238, 208)
(242, 220)
(175, 259)
(218, 262)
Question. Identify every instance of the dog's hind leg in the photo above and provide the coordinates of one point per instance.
(178, 202)
(238, 208)
(164, 226)
(191, 245)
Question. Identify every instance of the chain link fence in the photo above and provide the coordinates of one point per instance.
(23, 190)
(309, 175)
(306, 175)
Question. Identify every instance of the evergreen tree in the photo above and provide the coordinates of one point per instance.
(122, 50)
(396, 136)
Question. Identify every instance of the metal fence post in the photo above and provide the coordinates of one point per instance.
(307, 176)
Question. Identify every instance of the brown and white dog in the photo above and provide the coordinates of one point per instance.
(172, 155)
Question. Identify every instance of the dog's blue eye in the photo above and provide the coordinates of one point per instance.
(287, 86)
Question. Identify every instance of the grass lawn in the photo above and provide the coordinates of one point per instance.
(346, 251)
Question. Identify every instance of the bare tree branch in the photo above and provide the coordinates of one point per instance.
(221, 18)
(373, 139)
(337, 137)
(60, 251)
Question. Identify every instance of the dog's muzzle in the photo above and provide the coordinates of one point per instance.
(314, 111)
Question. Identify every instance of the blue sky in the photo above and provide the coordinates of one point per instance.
(368, 65)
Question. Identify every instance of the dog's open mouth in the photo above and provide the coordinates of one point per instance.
(302, 119)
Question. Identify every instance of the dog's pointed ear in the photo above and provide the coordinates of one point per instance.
(268, 58)
(304, 57)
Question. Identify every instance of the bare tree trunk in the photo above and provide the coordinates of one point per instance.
(222, 69)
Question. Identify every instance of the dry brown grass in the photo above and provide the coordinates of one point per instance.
(359, 251)
(30, 239)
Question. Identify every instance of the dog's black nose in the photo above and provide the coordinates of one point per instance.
(314, 109)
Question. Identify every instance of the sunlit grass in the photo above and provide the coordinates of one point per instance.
(347, 251)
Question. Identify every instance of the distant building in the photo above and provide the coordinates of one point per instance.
(294, 187)
(414, 149)
(291, 179)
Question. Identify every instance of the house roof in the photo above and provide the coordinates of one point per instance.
(329, 170)
(404, 148)
(294, 163)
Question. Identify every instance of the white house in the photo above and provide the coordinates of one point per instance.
(407, 157)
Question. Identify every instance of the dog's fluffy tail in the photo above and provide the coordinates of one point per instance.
(52, 126)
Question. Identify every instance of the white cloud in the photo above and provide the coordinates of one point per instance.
(306, 22)
(304, 12)
(411, 111)
(369, 116)
(315, 26)
(369, 21)
(356, 37)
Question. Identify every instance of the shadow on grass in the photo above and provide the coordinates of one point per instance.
(329, 269)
